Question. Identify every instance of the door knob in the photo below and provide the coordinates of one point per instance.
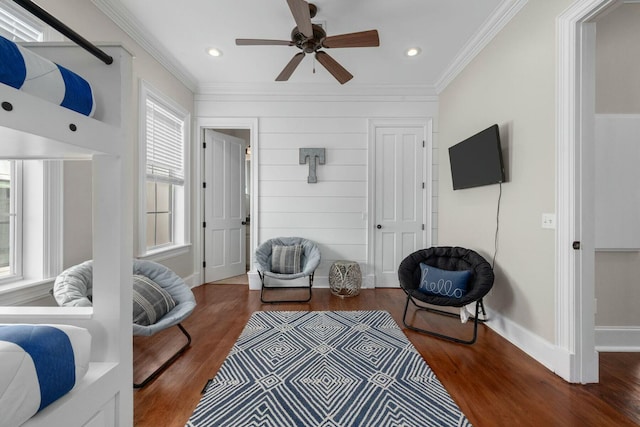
(244, 223)
(378, 226)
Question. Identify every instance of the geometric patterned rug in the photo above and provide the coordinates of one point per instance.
(325, 368)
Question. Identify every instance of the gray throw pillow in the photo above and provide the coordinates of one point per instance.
(150, 301)
(286, 259)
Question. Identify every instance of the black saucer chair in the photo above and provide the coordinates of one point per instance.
(480, 281)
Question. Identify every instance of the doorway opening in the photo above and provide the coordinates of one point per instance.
(226, 201)
(575, 237)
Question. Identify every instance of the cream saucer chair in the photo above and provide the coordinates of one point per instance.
(161, 299)
(286, 258)
(447, 277)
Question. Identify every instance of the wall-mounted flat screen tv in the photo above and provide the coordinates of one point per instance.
(477, 160)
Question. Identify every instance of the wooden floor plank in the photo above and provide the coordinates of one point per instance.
(493, 382)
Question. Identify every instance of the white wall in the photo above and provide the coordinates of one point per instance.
(84, 18)
(511, 83)
(77, 213)
(618, 92)
(334, 211)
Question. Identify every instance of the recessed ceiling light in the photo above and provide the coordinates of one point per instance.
(214, 52)
(413, 51)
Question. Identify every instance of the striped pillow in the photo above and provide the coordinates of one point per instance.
(150, 301)
(286, 259)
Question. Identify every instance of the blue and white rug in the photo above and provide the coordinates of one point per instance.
(323, 368)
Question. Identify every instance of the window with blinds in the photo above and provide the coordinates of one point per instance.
(18, 25)
(165, 144)
(164, 141)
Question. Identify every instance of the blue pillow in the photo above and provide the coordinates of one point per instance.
(444, 283)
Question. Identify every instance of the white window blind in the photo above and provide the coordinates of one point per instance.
(165, 144)
(18, 25)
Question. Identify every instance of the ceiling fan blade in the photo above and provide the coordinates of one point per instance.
(332, 66)
(361, 39)
(290, 68)
(302, 15)
(258, 42)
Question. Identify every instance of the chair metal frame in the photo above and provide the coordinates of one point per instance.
(168, 362)
(476, 319)
(264, 286)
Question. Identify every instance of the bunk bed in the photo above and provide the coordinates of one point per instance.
(33, 128)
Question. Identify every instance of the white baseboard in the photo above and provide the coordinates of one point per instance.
(254, 281)
(546, 353)
(618, 338)
(193, 280)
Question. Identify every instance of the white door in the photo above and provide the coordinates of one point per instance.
(400, 192)
(224, 206)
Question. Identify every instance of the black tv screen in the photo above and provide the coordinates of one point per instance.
(477, 160)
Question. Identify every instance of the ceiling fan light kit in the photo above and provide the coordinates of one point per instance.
(311, 38)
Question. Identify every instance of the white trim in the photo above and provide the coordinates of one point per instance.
(251, 124)
(316, 92)
(38, 236)
(574, 305)
(373, 124)
(193, 280)
(46, 314)
(182, 237)
(491, 27)
(535, 346)
(121, 16)
(254, 281)
(618, 338)
(24, 292)
(53, 216)
(168, 252)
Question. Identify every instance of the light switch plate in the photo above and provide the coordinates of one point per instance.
(549, 220)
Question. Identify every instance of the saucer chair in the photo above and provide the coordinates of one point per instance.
(286, 258)
(161, 299)
(425, 284)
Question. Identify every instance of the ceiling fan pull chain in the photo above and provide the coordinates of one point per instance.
(314, 64)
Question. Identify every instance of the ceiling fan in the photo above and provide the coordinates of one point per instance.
(310, 38)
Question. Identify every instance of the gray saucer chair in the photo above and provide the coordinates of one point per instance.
(287, 258)
(479, 281)
(73, 288)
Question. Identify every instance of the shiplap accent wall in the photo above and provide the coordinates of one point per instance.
(334, 211)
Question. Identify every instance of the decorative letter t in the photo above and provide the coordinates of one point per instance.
(312, 154)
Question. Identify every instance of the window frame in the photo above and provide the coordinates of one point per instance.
(181, 202)
(25, 19)
(15, 223)
(39, 231)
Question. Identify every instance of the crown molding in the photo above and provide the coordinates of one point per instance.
(318, 91)
(491, 27)
(121, 16)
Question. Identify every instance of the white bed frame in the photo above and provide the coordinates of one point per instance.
(39, 129)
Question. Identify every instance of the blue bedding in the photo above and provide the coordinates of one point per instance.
(38, 365)
(24, 70)
(52, 354)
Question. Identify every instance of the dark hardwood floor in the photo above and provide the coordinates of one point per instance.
(493, 382)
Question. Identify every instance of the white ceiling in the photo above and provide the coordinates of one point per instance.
(447, 31)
